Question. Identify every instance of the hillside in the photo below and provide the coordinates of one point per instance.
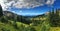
(15, 17)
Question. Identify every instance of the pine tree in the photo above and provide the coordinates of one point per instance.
(57, 18)
(54, 18)
(1, 13)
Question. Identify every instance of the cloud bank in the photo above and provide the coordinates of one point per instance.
(24, 3)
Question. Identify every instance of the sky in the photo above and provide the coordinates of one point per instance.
(29, 7)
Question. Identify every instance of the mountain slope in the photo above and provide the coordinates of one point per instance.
(12, 16)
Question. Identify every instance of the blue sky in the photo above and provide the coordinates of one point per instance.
(33, 11)
(36, 10)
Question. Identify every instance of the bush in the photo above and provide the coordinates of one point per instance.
(4, 20)
(3, 29)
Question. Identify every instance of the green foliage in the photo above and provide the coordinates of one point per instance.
(54, 18)
(15, 25)
(3, 29)
(4, 20)
(36, 22)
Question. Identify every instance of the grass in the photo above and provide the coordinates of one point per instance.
(10, 27)
(54, 28)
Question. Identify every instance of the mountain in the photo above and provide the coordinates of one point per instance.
(19, 18)
(8, 14)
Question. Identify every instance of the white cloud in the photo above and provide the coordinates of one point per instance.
(32, 3)
(24, 3)
(27, 4)
(50, 2)
(2, 4)
(5, 5)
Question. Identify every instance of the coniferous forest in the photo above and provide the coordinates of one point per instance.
(50, 21)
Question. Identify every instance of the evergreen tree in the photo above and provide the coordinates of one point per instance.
(54, 18)
(1, 13)
(57, 18)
